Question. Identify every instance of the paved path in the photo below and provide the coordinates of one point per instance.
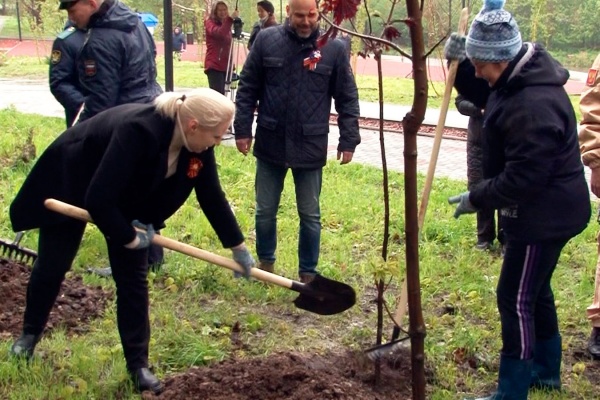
(34, 97)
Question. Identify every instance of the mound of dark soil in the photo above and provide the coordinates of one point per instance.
(75, 306)
(293, 376)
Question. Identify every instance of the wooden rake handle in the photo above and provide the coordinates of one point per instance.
(171, 244)
(439, 129)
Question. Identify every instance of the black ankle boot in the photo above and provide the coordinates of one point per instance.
(594, 344)
(23, 347)
(143, 380)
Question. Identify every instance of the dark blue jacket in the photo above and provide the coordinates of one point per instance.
(294, 102)
(532, 162)
(117, 62)
(64, 80)
(179, 42)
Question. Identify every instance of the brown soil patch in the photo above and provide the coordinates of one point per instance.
(293, 376)
(76, 304)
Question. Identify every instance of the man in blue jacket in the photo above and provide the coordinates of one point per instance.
(64, 80)
(293, 82)
(116, 64)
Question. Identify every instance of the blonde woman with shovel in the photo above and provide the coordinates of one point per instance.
(131, 166)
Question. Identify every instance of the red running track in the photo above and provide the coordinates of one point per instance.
(392, 66)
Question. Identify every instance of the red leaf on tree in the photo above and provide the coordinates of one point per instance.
(326, 36)
(341, 9)
(390, 33)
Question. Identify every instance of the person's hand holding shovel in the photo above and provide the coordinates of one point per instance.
(242, 256)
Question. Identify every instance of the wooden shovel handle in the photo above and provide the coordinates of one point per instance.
(171, 244)
(439, 128)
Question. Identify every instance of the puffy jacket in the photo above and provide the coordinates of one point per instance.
(589, 130)
(474, 139)
(532, 162)
(117, 62)
(218, 43)
(294, 102)
(64, 79)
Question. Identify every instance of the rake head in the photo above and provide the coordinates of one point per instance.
(13, 250)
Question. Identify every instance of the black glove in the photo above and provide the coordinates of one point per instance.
(145, 235)
(242, 256)
(454, 49)
(464, 205)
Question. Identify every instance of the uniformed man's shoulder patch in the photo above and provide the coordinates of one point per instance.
(55, 56)
(67, 32)
(591, 78)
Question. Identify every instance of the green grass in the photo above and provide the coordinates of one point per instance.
(194, 304)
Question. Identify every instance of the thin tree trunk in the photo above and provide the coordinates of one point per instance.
(411, 123)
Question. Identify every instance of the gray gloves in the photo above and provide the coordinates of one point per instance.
(145, 238)
(454, 49)
(242, 256)
(464, 205)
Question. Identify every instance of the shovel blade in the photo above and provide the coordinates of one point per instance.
(324, 296)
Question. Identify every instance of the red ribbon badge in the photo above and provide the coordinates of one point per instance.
(591, 78)
(312, 61)
(194, 168)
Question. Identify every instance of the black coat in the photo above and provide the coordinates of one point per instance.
(294, 102)
(117, 62)
(64, 79)
(532, 162)
(474, 139)
(114, 165)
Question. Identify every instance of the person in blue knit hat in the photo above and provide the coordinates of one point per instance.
(533, 175)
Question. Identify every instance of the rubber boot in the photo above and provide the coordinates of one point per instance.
(547, 355)
(513, 381)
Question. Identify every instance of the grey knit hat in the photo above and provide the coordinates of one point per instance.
(494, 35)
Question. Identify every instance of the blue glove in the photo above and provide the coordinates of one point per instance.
(242, 256)
(454, 49)
(464, 205)
(145, 236)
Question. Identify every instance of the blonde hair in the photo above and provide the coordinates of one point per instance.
(209, 107)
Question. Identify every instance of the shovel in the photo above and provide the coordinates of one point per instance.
(321, 296)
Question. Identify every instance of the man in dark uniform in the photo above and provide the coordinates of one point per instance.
(116, 64)
(64, 81)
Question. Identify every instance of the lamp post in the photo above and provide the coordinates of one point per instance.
(168, 32)
(19, 21)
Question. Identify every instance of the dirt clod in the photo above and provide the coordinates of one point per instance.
(292, 376)
(75, 306)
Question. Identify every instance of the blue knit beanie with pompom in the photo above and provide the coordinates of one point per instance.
(494, 34)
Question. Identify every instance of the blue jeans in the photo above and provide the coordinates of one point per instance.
(268, 187)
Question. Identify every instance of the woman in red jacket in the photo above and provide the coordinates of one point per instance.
(218, 45)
